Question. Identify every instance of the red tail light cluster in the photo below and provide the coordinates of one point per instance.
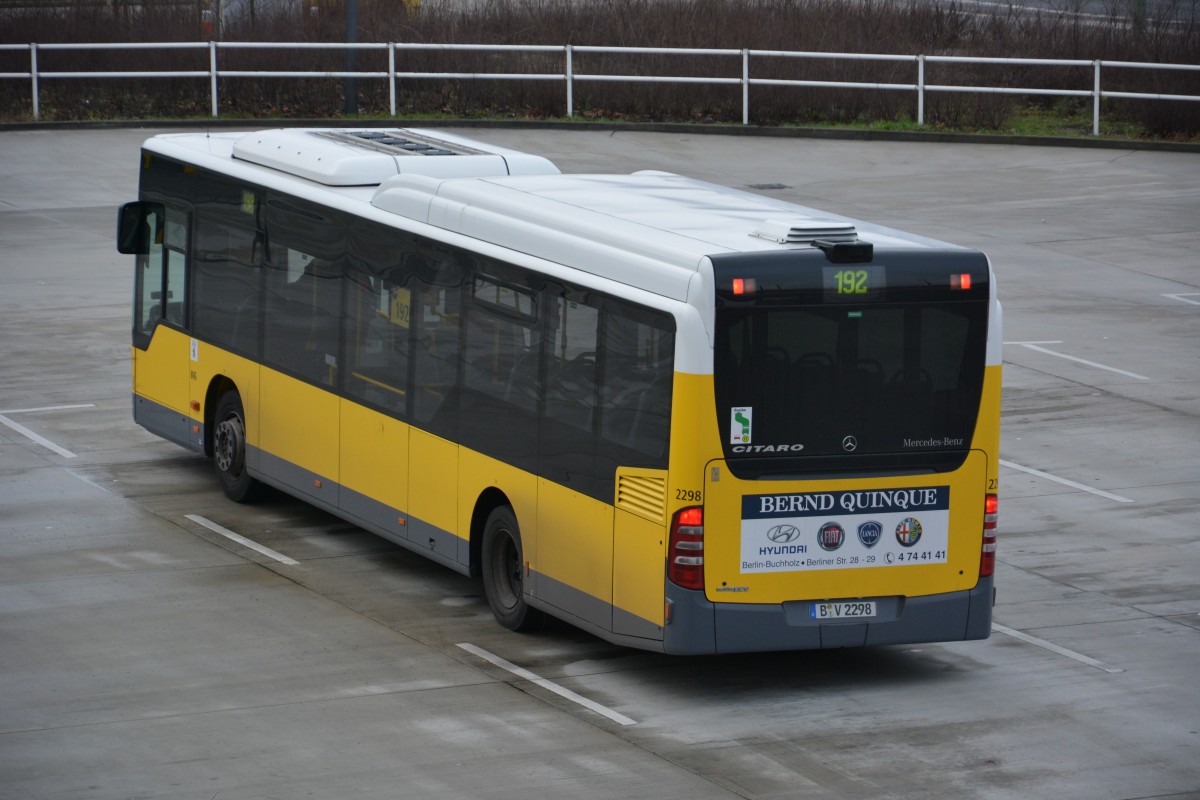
(991, 514)
(685, 555)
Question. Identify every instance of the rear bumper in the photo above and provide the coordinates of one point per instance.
(699, 626)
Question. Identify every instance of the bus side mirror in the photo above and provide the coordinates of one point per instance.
(138, 225)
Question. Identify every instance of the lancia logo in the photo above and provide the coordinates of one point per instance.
(869, 533)
(849, 444)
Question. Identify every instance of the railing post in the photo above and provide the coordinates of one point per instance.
(212, 74)
(33, 72)
(392, 76)
(1096, 99)
(921, 90)
(745, 86)
(570, 76)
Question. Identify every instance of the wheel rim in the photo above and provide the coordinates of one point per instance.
(506, 570)
(229, 445)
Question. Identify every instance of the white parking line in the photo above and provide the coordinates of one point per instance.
(1065, 482)
(1183, 297)
(551, 686)
(1038, 347)
(1062, 651)
(34, 437)
(47, 408)
(242, 540)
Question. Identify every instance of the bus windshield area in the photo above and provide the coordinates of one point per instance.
(849, 386)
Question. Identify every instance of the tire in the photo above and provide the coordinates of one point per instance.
(504, 572)
(229, 450)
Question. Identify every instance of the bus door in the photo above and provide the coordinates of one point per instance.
(435, 315)
(605, 427)
(161, 375)
(637, 391)
(299, 412)
(378, 339)
(574, 546)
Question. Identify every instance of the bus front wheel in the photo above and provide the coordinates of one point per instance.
(504, 572)
(229, 450)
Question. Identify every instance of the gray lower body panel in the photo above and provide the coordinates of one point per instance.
(168, 423)
(392, 524)
(699, 626)
(592, 614)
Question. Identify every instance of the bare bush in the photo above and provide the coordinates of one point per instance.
(929, 27)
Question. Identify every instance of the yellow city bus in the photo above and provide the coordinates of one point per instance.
(682, 417)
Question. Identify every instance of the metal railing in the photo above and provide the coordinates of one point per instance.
(569, 77)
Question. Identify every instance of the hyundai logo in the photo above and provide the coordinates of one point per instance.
(782, 534)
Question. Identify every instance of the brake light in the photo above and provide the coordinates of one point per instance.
(685, 554)
(991, 515)
(744, 286)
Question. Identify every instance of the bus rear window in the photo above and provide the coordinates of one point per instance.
(843, 386)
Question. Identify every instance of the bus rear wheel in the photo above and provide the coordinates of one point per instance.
(504, 572)
(229, 450)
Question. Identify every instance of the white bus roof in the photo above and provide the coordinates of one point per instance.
(341, 157)
(650, 229)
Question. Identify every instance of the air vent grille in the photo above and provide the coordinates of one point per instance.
(643, 493)
(805, 231)
(401, 143)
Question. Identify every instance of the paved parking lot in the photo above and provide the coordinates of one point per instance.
(144, 654)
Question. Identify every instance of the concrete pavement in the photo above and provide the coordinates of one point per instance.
(143, 655)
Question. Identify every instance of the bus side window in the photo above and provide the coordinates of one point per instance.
(149, 295)
(436, 317)
(226, 274)
(567, 445)
(381, 313)
(501, 347)
(302, 307)
(162, 271)
(306, 249)
(638, 359)
(377, 341)
(175, 243)
(571, 362)
(500, 355)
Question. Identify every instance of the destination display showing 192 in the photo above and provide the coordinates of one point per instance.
(853, 283)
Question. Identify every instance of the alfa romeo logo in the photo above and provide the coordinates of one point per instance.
(908, 532)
